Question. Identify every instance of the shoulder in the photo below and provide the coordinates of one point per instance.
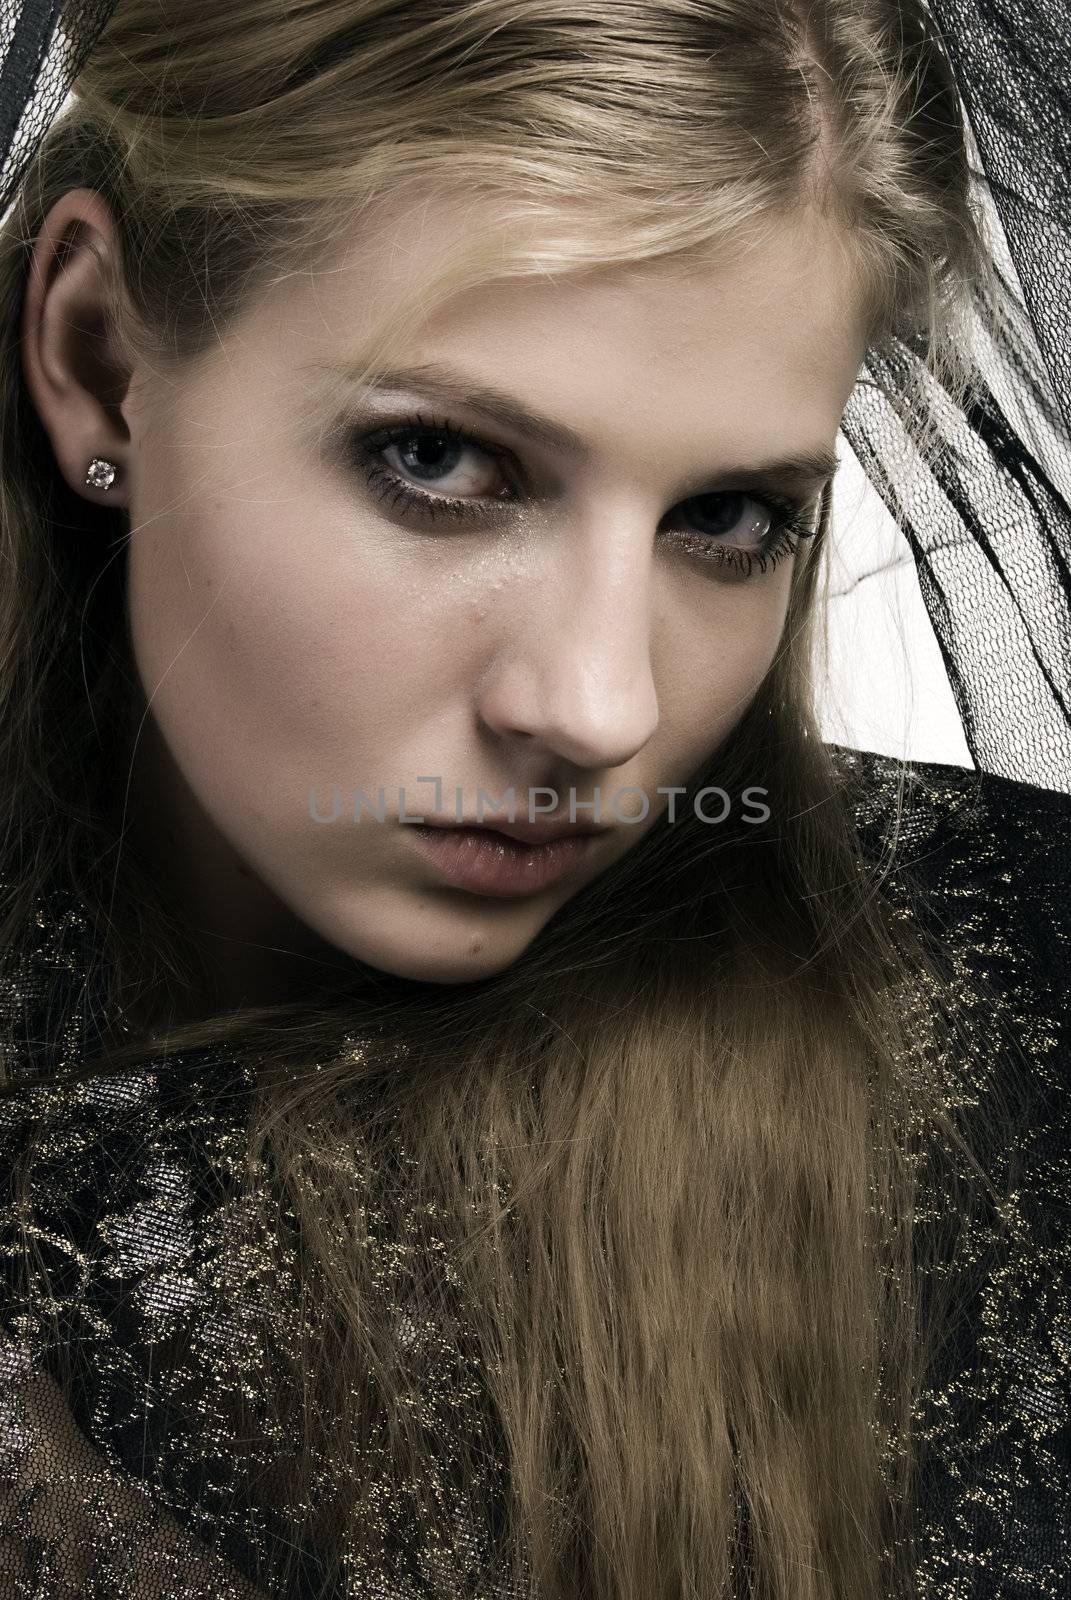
(116, 1206)
(982, 866)
(52, 982)
(950, 802)
(129, 1299)
(122, 1115)
(968, 850)
(984, 863)
(109, 1170)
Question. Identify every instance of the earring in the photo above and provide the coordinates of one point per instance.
(101, 474)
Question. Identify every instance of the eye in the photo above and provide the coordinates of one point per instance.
(731, 516)
(429, 468)
(405, 460)
(450, 465)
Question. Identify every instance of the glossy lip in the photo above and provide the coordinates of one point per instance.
(483, 861)
(542, 832)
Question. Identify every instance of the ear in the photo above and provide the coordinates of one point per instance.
(74, 380)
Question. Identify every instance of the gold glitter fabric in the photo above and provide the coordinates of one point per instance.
(126, 1304)
(985, 865)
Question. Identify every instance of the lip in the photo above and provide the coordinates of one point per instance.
(542, 832)
(485, 861)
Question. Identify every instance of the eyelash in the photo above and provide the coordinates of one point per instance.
(789, 520)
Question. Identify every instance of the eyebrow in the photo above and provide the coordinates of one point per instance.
(809, 468)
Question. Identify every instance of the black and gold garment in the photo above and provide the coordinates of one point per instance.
(120, 1476)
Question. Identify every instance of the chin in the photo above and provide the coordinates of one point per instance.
(448, 957)
(465, 964)
(426, 939)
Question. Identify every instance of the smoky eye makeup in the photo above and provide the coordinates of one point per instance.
(414, 467)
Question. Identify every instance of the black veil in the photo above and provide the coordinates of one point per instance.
(988, 521)
(989, 524)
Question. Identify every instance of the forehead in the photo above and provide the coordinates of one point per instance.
(769, 335)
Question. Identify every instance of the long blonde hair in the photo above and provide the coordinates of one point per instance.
(673, 1151)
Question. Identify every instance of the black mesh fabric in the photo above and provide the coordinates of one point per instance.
(45, 43)
(990, 525)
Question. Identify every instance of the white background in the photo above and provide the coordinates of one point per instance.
(886, 688)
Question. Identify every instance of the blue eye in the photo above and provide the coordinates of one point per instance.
(431, 451)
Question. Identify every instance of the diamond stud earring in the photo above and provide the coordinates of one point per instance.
(101, 474)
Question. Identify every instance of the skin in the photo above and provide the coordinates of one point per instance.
(290, 630)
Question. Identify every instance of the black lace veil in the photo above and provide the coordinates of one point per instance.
(988, 521)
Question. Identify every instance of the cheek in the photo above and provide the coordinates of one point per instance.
(712, 665)
(273, 657)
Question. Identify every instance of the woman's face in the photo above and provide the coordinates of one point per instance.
(572, 622)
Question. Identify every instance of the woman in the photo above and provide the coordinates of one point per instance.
(406, 403)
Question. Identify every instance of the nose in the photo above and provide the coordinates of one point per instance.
(574, 669)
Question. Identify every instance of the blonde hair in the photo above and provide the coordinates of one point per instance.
(673, 1151)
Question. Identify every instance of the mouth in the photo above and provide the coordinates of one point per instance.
(487, 861)
(545, 831)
